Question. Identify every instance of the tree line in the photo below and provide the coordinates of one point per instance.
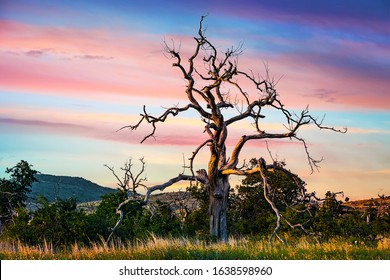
(63, 223)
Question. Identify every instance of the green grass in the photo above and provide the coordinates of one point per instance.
(155, 248)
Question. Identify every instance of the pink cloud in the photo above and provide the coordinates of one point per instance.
(21, 36)
(305, 80)
(44, 125)
(65, 61)
(324, 71)
(59, 61)
(27, 76)
(93, 57)
(105, 127)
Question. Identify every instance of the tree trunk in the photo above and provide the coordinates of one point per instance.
(218, 201)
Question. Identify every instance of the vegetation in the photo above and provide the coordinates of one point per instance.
(14, 191)
(62, 230)
(65, 187)
(154, 248)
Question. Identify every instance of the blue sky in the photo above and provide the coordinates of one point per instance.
(74, 72)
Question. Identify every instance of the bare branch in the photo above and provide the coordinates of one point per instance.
(262, 165)
(269, 152)
(192, 158)
(180, 177)
(298, 225)
(120, 183)
(240, 144)
(313, 163)
(249, 112)
(201, 176)
(174, 111)
(130, 181)
(121, 216)
(205, 90)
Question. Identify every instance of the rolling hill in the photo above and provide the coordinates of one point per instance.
(64, 187)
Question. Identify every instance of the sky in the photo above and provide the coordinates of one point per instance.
(72, 73)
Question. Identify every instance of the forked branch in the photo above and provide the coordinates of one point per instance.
(136, 179)
(212, 77)
(130, 181)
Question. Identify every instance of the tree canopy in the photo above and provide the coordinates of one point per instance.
(14, 191)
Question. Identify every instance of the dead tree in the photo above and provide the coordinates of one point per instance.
(129, 184)
(224, 95)
(307, 200)
(130, 181)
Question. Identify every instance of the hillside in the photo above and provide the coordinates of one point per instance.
(64, 187)
(380, 203)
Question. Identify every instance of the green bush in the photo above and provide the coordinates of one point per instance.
(14, 191)
(59, 223)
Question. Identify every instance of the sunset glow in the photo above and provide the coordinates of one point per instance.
(72, 74)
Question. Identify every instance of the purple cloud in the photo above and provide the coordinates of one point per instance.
(39, 52)
(360, 16)
(94, 57)
(39, 123)
(324, 94)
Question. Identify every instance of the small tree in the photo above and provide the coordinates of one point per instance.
(59, 223)
(223, 95)
(128, 185)
(251, 211)
(328, 215)
(14, 191)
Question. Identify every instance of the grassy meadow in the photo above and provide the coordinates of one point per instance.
(155, 248)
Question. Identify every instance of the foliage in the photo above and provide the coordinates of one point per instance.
(59, 223)
(62, 223)
(253, 215)
(327, 216)
(332, 219)
(197, 222)
(14, 191)
(250, 214)
(138, 221)
(248, 211)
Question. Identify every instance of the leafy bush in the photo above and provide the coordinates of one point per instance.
(60, 223)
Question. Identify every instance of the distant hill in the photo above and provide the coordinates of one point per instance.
(380, 203)
(64, 187)
(83, 190)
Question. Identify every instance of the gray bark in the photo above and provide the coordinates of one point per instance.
(207, 96)
(218, 202)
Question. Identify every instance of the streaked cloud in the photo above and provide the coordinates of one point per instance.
(358, 130)
(93, 57)
(40, 123)
(36, 53)
(80, 72)
(380, 171)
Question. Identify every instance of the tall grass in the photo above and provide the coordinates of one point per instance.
(156, 248)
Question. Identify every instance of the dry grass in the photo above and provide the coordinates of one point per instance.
(155, 248)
